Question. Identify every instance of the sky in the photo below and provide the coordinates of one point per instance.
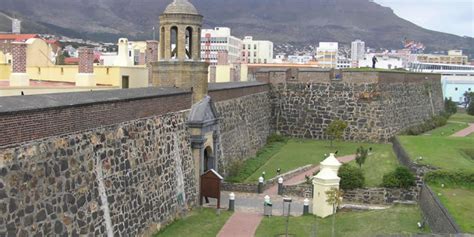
(450, 16)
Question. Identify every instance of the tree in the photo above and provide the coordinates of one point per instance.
(334, 198)
(335, 130)
(361, 156)
(450, 106)
(470, 108)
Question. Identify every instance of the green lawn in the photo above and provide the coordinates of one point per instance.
(395, 220)
(462, 117)
(380, 162)
(447, 130)
(441, 152)
(471, 135)
(199, 223)
(298, 153)
(460, 203)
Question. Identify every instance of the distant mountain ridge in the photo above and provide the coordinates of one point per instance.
(299, 22)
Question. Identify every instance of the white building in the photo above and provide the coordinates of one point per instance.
(327, 53)
(220, 39)
(16, 26)
(455, 79)
(357, 52)
(257, 51)
(343, 62)
(300, 59)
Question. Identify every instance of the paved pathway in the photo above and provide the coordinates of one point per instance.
(465, 132)
(301, 177)
(241, 225)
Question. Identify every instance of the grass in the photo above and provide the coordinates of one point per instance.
(395, 220)
(462, 117)
(471, 135)
(298, 153)
(447, 130)
(460, 203)
(380, 162)
(200, 223)
(443, 152)
(252, 164)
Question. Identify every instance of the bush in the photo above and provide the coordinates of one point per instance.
(400, 178)
(276, 138)
(449, 177)
(450, 107)
(470, 108)
(434, 122)
(351, 177)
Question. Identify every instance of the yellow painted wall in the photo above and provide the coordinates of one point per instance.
(5, 70)
(2, 58)
(111, 76)
(38, 53)
(15, 91)
(244, 72)
(223, 73)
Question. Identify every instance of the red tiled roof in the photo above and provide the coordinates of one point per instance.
(71, 61)
(17, 37)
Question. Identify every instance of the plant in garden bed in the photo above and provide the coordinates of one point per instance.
(400, 178)
(351, 177)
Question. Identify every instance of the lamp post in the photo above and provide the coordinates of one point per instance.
(260, 185)
(231, 202)
(287, 200)
(280, 186)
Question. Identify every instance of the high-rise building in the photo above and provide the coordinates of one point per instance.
(326, 54)
(357, 51)
(16, 26)
(257, 51)
(218, 40)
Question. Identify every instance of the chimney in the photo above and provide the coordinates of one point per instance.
(85, 77)
(123, 57)
(19, 77)
(151, 57)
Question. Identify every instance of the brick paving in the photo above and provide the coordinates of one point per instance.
(241, 225)
(465, 132)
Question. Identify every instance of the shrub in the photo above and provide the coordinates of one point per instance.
(361, 156)
(450, 107)
(434, 122)
(449, 177)
(400, 178)
(470, 108)
(276, 138)
(335, 130)
(351, 177)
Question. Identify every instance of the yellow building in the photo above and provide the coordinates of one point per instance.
(453, 57)
(39, 53)
(230, 73)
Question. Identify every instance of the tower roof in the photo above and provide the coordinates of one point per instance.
(181, 7)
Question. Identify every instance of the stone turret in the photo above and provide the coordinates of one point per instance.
(180, 62)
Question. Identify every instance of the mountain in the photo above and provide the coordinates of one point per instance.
(298, 22)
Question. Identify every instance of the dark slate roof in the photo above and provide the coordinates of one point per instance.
(233, 85)
(37, 102)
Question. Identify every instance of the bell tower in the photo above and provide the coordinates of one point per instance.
(179, 63)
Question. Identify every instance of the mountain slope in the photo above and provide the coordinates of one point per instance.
(299, 22)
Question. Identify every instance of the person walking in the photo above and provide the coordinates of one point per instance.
(374, 61)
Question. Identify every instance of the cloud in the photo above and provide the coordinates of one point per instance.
(450, 16)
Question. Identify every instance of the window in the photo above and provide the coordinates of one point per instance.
(456, 89)
(248, 46)
(255, 46)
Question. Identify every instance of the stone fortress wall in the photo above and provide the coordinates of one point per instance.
(114, 161)
(376, 105)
